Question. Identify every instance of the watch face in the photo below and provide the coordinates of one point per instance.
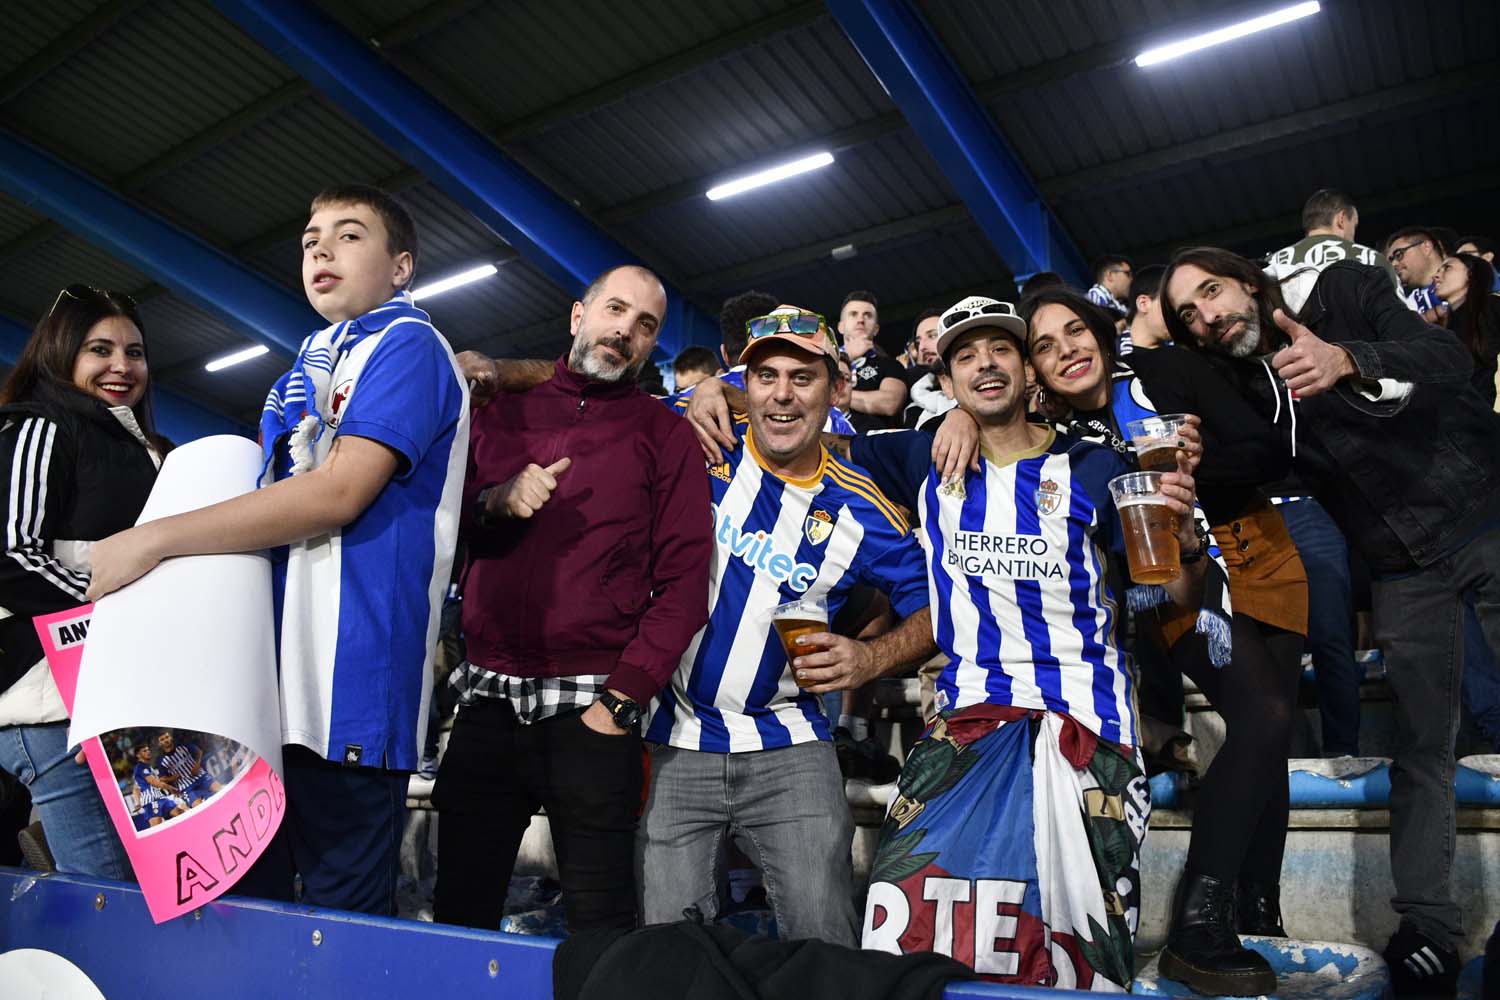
(629, 715)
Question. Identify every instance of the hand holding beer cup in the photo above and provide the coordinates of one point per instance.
(796, 619)
(1156, 516)
(820, 661)
(1158, 439)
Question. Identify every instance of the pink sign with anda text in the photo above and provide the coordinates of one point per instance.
(194, 810)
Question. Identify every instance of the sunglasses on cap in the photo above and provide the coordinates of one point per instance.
(953, 317)
(809, 326)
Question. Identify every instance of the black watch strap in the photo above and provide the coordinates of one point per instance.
(626, 713)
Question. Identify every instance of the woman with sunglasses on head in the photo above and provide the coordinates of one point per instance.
(1232, 878)
(1464, 282)
(78, 454)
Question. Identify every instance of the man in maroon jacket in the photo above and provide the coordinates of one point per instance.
(586, 516)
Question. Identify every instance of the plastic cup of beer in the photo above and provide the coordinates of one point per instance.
(1155, 440)
(797, 618)
(1151, 546)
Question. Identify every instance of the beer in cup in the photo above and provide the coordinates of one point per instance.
(1155, 440)
(1151, 546)
(796, 618)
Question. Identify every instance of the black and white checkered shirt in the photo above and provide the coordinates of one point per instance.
(531, 698)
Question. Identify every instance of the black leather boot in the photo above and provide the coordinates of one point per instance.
(1203, 950)
(1257, 908)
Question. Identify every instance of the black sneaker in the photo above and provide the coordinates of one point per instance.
(864, 759)
(1419, 965)
(34, 848)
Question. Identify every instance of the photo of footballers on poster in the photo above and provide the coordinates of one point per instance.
(162, 772)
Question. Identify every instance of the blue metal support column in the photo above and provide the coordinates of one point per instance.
(542, 227)
(909, 61)
(177, 418)
(194, 270)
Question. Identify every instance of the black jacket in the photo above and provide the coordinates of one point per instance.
(1409, 480)
(689, 961)
(72, 472)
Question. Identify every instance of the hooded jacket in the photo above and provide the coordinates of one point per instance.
(1407, 459)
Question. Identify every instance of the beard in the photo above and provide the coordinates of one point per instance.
(1245, 342)
(583, 359)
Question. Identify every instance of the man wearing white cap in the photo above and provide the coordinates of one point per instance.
(1014, 843)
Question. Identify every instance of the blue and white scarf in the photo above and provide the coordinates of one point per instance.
(296, 403)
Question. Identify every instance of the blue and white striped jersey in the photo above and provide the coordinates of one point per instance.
(1016, 559)
(149, 793)
(779, 540)
(357, 609)
(180, 762)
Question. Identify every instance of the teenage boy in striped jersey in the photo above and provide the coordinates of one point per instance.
(1014, 843)
(738, 748)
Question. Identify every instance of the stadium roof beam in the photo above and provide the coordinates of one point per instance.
(932, 94)
(196, 271)
(62, 48)
(459, 160)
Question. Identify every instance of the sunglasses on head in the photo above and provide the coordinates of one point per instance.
(953, 317)
(81, 293)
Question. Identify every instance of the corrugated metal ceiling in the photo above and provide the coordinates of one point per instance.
(1387, 85)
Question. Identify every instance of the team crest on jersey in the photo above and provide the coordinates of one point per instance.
(1048, 497)
(954, 488)
(818, 526)
(337, 400)
(720, 471)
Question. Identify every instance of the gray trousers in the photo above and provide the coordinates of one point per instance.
(787, 804)
(1419, 626)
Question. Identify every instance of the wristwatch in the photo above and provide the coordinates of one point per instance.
(626, 713)
(1188, 558)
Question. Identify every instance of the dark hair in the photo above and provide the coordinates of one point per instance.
(1146, 281)
(1320, 208)
(597, 285)
(141, 746)
(859, 295)
(1477, 303)
(1040, 280)
(1482, 244)
(1415, 232)
(695, 359)
(735, 313)
(1223, 264)
(52, 351)
(1106, 263)
(1100, 324)
(400, 230)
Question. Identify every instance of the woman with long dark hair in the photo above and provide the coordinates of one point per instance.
(78, 456)
(1464, 282)
(1233, 871)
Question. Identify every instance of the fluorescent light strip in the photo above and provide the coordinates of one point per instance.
(1208, 39)
(770, 176)
(238, 357)
(451, 282)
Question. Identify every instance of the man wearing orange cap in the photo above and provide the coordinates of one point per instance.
(739, 749)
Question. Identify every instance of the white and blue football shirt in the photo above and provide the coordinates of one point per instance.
(1021, 601)
(775, 541)
(149, 793)
(357, 609)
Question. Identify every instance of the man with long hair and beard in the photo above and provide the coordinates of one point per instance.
(1372, 404)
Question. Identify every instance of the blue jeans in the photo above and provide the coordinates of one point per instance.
(1330, 622)
(1481, 684)
(79, 831)
(789, 806)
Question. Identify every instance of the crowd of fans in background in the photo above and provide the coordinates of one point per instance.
(1335, 483)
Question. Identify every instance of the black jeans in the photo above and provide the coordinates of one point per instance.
(495, 774)
(1419, 625)
(1239, 822)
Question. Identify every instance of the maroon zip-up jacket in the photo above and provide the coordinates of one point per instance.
(611, 575)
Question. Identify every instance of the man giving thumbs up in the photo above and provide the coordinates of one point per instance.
(585, 521)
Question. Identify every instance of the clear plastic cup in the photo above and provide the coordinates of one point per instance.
(798, 618)
(1151, 546)
(1155, 440)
